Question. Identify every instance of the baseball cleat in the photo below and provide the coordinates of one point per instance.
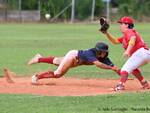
(145, 85)
(35, 59)
(119, 87)
(34, 79)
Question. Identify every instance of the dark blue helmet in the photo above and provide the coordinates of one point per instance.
(101, 47)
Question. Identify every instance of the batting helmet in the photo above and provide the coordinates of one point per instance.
(101, 47)
(126, 19)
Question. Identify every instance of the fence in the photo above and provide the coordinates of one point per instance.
(14, 12)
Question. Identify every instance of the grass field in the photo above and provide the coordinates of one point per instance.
(118, 103)
(19, 42)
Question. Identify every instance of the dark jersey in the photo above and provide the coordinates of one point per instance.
(87, 57)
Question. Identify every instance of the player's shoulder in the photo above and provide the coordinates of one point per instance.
(88, 52)
(131, 32)
(91, 51)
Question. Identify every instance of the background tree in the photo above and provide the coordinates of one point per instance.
(139, 9)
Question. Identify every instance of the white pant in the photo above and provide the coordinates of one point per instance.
(72, 54)
(140, 57)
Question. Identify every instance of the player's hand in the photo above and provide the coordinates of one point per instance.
(104, 32)
(115, 68)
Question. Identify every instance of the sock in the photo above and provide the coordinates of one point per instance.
(48, 74)
(48, 60)
(124, 77)
(138, 74)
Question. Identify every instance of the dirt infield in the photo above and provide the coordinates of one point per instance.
(64, 86)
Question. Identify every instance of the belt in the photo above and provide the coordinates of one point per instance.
(146, 48)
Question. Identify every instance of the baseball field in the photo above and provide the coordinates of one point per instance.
(84, 89)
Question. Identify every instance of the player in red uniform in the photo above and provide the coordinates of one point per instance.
(97, 56)
(136, 51)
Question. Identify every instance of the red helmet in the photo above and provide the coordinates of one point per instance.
(126, 19)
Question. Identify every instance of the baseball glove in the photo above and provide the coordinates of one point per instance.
(104, 25)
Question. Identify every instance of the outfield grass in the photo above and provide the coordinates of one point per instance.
(19, 42)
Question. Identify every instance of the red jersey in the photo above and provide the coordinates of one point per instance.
(139, 43)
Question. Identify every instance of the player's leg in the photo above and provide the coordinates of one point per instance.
(57, 60)
(35, 59)
(46, 74)
(68, 61)
(135, 61)
(50, 60)
(137, 73)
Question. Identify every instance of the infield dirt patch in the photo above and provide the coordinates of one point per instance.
(65, 86)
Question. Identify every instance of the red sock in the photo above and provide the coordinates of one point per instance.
(48, 60)
(48, 74)
(124, 76)
(137, 74)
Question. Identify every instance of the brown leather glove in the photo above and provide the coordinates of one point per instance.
(104, 25)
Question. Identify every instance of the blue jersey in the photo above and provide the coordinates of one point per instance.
(87, 57)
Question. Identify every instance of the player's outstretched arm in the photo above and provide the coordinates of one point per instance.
(112, 38)
(104, 66)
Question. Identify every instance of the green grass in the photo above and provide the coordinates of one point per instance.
(19, 42)
(118, 103)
